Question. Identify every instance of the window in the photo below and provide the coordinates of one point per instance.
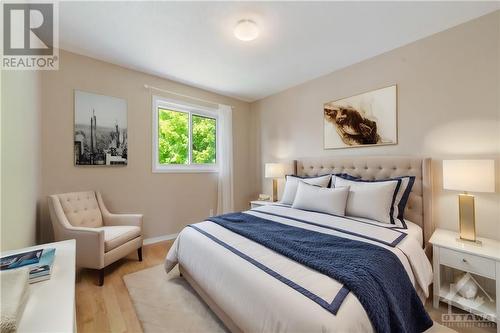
(184, 137)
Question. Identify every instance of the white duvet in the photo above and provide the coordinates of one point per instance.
(258, 302)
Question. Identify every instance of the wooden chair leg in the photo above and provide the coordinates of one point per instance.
(139, 253)
(101, 277)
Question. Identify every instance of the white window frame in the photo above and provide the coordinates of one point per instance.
(190, 109)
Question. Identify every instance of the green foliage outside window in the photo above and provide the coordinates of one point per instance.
(173, 138)
(204, 140)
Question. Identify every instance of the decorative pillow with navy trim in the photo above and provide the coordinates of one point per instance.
(403, 196)
(374, 200)
(401, 199)
(344, 176)
(292, 182)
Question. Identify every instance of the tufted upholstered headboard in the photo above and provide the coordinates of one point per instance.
(419, 207)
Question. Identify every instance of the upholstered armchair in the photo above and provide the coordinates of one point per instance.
(101, 237)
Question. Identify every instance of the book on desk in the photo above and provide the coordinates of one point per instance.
(39, 262)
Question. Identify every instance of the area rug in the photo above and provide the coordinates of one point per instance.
(167, 303)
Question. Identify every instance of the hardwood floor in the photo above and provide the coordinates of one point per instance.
(110, 309)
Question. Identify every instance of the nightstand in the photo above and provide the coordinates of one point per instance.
(258, 203)
(482, 261)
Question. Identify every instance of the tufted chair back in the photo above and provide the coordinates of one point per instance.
(81, 209)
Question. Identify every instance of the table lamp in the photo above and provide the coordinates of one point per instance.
(468, 176)
(275, 171)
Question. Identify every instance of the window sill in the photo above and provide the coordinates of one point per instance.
(185, 169)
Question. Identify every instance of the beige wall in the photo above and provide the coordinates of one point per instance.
(168, 201)
(449, 107)
(20, 163)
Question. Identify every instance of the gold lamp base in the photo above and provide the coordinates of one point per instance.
(275, 190)
(468, 242)
(467, 219)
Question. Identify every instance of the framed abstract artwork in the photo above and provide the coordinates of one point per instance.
(100, 130)
(367, 119)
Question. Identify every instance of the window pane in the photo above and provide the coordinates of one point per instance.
(173, 137)
(204, 140)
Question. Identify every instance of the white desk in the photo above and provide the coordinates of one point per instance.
(51, 303)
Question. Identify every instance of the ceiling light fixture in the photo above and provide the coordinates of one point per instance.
(246, 30)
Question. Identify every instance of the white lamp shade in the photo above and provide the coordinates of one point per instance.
(469, 175)
(274, 170)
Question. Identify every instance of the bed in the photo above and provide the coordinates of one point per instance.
(252, 288)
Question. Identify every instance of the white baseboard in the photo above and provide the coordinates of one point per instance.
(157, 239)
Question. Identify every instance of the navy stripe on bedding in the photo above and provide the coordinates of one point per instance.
(352, 218)
(374, 274)
(333, 307)
(341, 295)
(395, 242)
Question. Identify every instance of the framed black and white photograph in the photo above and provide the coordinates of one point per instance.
(367, 119)
(100, 130)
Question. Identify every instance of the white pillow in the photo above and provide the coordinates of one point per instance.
(401, 198)
(372, 200)
(321, 199)
(292, 182)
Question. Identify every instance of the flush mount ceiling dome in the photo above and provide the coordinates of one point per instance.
(246, 30)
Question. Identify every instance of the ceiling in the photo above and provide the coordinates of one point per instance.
(193, 42)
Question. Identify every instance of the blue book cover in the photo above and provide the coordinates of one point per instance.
(20, 259)
(47, 257)
(39, 261)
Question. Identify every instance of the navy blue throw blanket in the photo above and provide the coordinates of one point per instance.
(374, 274)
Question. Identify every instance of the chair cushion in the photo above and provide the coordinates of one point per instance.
(81, 209)
(118, 235)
